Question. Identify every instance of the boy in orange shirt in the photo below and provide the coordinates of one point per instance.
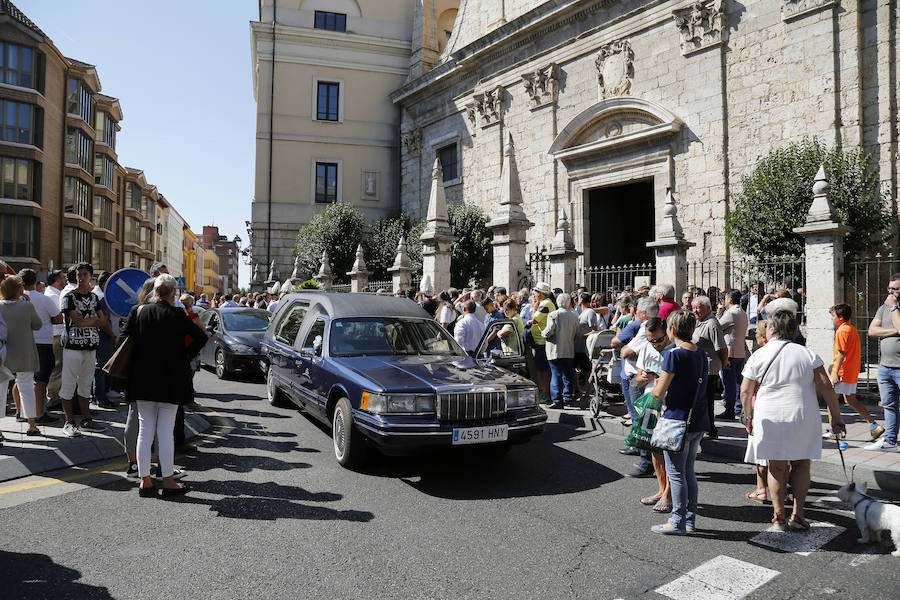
(845, 368)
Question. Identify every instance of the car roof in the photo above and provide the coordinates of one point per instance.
(340, 305)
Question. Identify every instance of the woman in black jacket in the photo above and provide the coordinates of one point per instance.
(160, 380)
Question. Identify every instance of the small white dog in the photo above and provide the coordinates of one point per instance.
(872, 516)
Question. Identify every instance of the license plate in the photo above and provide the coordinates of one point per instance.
(481, 435)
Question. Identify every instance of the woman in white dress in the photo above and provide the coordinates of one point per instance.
(784, 423)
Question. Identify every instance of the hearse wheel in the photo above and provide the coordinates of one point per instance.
(349, 446)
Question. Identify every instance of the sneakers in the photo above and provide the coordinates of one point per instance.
(875, 430)
(20, 418)
(91, 425)
(176, 474)
(70, 429)
(132, 471)
(882, 445)
(829, 435)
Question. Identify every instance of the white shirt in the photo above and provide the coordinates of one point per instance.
(46, 309)
(468, 331)
(230, 304)
(447, 315)
(649, 360)
(54, 294)
(636, 344)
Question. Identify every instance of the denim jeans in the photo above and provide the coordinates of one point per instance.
(626, 391)
(731, 380)
(680, 470)
(562, 375)
(889, 389)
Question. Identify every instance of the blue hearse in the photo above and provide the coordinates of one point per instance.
(382, 373)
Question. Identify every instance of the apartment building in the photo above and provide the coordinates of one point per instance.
(228, 253)
(212, 283)
(64, 196)
(189, 250)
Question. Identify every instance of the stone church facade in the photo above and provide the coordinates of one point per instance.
(597, 109)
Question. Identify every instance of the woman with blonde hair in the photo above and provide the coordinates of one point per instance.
(160, 379)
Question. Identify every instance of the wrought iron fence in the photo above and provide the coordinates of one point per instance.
(537, 268)
(866, 280)
(616, 278)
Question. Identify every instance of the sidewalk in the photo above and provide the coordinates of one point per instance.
(22, 456)
(878, 469)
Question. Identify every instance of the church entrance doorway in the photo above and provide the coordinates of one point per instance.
(622, 221)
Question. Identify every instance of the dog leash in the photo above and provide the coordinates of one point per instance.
(841, 446)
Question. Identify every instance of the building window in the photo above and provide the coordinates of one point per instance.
(131, 259)
(79, 149)
(76, 245)
(132, 231)
(449, 162)
(78, 197)
(81, 101)
(103, 212)
(148, 208)
(21, 179)
(134, 196)
(326, 182)
(106, 129)
(104, 171)
(18, 123)
(328, 101)
(330, 21)
(101, 256)
(19, 236)
(17, 64)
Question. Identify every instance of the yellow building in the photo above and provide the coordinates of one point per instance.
(190, 260)
(211, 281)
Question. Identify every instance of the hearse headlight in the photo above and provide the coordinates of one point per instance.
(397, 403)
(521, 397)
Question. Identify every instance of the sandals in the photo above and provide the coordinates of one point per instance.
(662, 507)
(780, 523)
(757, 496)
(649, 500)
(798, 523)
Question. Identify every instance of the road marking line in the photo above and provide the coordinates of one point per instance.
(721, 578)
(42, 481)
(803, 543)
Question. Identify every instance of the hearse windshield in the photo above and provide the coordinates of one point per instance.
(386, 336)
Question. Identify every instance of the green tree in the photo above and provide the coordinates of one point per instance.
(380, 245)
(471, 257)
(777, 195)
(338, 228)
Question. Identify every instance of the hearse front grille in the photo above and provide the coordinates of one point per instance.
(471, 405)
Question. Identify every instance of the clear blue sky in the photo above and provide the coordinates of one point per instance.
(181, 71)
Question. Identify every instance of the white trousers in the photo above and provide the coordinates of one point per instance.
(77, 373)
(156, 419)
(25, 381)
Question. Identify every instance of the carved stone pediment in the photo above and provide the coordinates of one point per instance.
(489, 106)
(615, 69)
(794, 9)
(621, 124)
(412, 141)
(542, 85)
(701, 26)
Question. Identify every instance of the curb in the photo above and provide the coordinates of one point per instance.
(732, 451)
(18, 463)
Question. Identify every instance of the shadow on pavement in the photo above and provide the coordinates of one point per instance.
(250, 413)
(226, 398)
(37, 576)
(241, 463)
(537, 468)
(269, 501)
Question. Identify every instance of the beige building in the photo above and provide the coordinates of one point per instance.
(334, 133)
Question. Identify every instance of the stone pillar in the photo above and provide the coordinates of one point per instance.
(437, 237)
(562, 257)
(508, 228)
(359, 276)
(671, 248)
(257, 284)
(401, 272)
(824, 239)
(324, 276)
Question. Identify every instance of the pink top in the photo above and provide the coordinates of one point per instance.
(667, 308)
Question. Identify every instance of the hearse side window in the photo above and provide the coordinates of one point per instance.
(289, 325)
(316, 331)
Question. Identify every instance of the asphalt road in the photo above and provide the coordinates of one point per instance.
(274, 516)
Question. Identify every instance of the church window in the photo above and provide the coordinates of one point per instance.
(449, 162)
(330, 21)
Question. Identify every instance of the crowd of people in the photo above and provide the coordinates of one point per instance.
(55, 337)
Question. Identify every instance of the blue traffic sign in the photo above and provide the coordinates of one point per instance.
(122, 290)
(180, 282)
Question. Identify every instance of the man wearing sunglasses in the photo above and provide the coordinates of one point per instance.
(885, 326)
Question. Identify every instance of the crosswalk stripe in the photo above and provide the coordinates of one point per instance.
(721, 578)
(803, 543)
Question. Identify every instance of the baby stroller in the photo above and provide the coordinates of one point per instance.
(604, 378)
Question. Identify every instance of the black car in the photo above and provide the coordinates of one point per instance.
(381, 372)
(234, 343)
